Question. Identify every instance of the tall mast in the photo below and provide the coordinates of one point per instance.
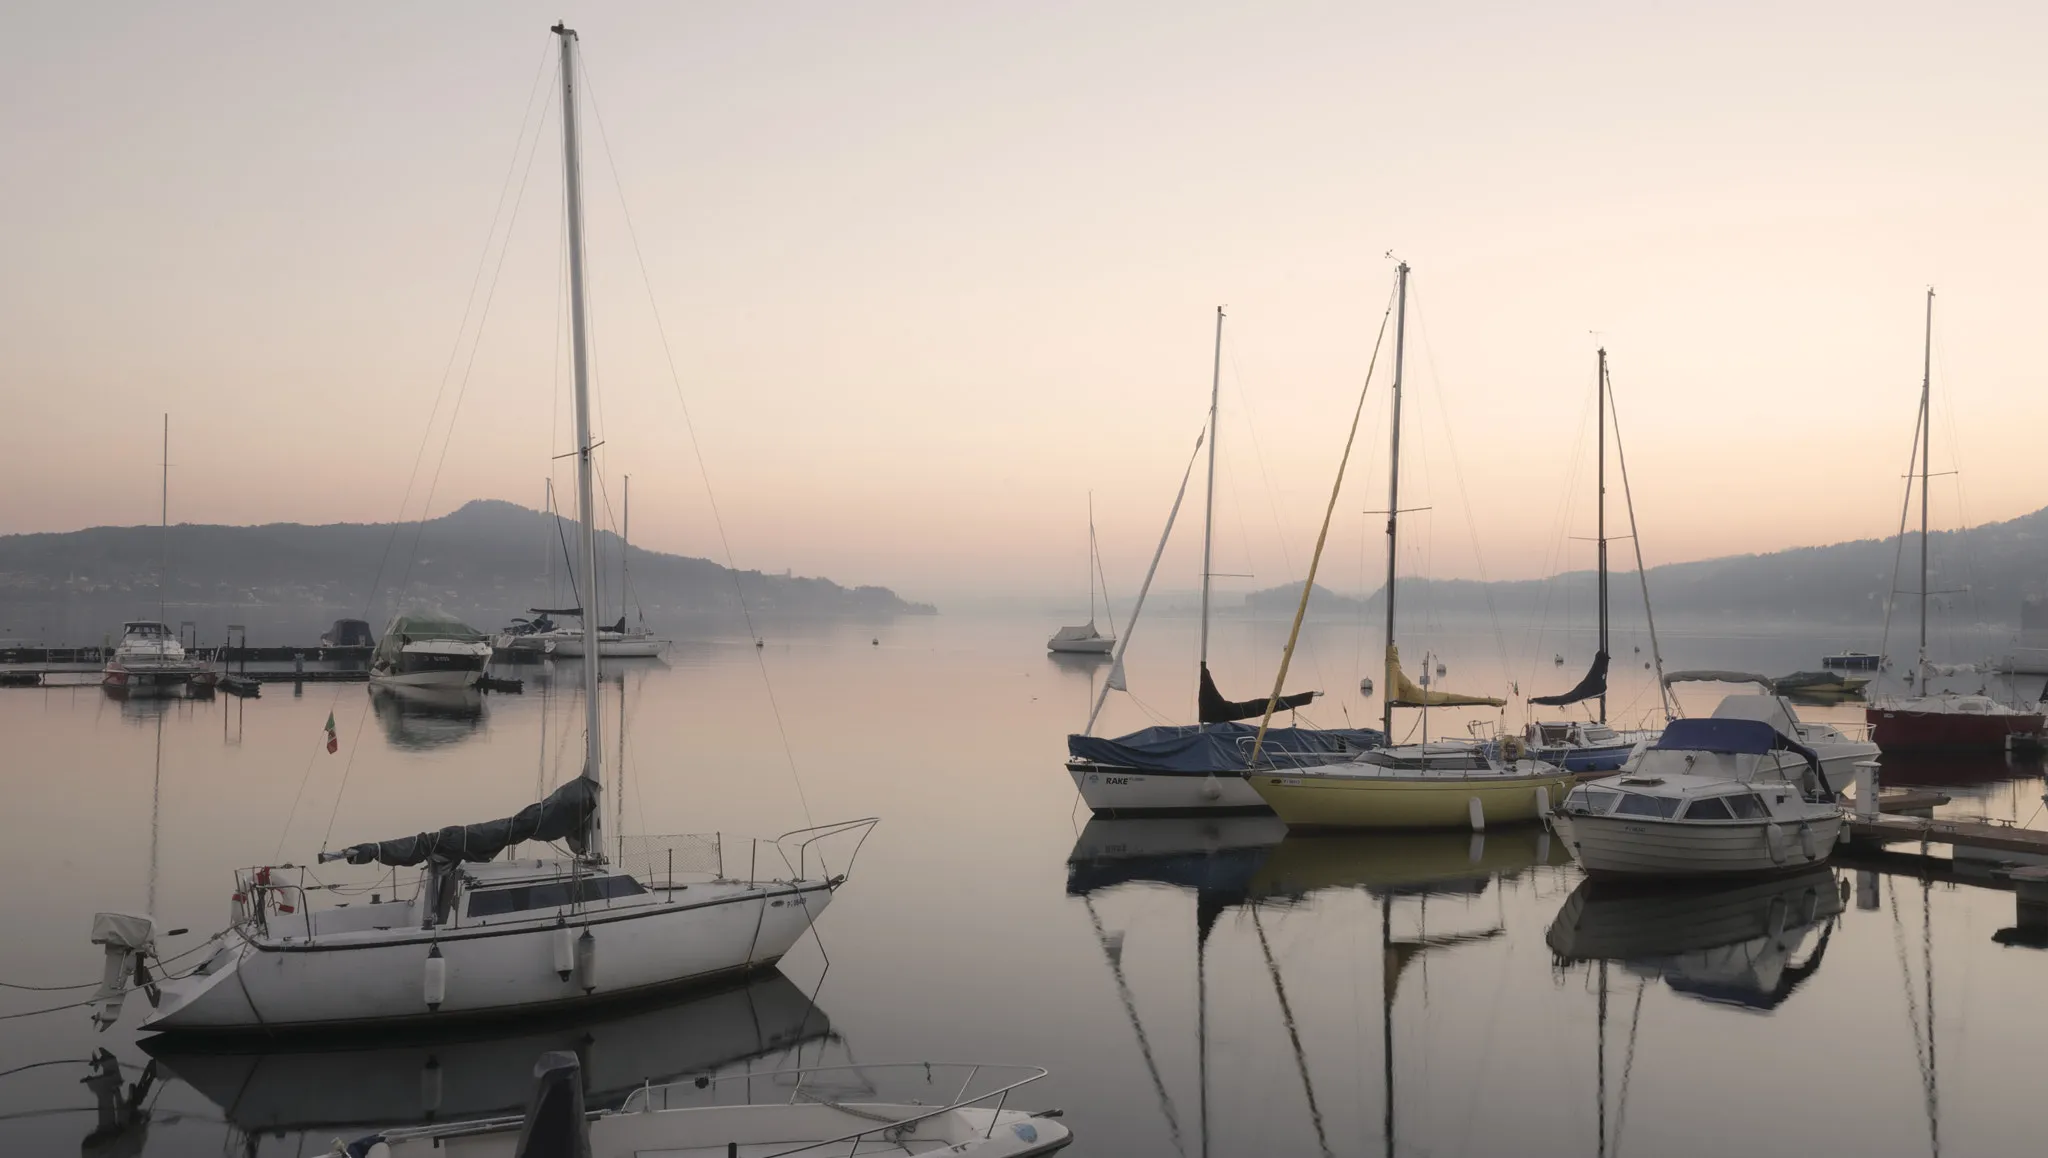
(593, 726)
(625, 546)
(1209, 507)
(1926, 449)
(1601, 390)
(1394, 491)
(164, 528)
(1091, 558)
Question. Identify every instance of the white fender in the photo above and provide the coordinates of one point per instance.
(1476, 813)
(436, 978)
(586, 960)
(565, 952)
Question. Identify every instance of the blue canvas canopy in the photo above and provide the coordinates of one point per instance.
(1199, 750)
(1738, 737)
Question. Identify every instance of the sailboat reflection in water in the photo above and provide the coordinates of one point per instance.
(434, 1075)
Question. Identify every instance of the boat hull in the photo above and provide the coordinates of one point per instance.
(1643, 847)
(1113, 791)
(1395, 800)
(1101, 645)
(1593, 761)
(611, 648)
(678, 938)
(1896, 728)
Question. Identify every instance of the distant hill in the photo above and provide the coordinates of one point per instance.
(483, 562)
(1982, 574)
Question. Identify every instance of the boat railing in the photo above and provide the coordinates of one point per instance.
(666, 861)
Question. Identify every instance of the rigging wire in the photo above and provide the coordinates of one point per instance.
(696, 448)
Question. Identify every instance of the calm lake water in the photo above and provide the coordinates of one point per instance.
(1195, 987)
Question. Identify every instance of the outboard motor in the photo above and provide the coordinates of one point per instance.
(128, 938)
(555, 1125)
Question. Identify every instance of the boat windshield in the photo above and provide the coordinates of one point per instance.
(145, 630)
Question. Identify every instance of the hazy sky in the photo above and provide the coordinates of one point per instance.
(933, 271)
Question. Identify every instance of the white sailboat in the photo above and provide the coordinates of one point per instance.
(1086, 639)
(481, 936)
(616, 641)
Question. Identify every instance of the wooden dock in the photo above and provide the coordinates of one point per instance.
(1975, 835)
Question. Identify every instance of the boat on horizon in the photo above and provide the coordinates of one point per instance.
(151, 660)
(1086, 639)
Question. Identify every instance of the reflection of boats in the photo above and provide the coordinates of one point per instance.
(429, 651)
(408, 1079)
(1207, 853)
(414, 717)
(1401, 862)
(1737, 945)
(838, 1109)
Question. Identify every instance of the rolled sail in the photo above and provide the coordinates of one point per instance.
(1214, 709)
(1595, 684)
(1403, 693)
(564, 815)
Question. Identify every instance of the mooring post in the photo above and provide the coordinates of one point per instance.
(1866, 790)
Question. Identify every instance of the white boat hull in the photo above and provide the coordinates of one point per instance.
(1637, 846)
(1100, 645)
(612, 648)
(427, 679)
(676, 937)
(1115, 792)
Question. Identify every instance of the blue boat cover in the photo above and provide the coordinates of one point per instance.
(1744, 737)
(1198, 750)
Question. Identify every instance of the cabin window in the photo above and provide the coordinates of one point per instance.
(1708, 808)
(1591, 800)
(1634, 804)
(1747, 807)
(551, 895)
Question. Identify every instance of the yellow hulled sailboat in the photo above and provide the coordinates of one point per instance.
(1442, 785)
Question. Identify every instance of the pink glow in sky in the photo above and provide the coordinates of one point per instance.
(934, 271)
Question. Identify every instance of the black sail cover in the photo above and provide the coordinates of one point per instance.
(1595, 684)
(1214, 709)
(564, 815)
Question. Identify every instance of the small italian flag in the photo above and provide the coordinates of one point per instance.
(333, 741)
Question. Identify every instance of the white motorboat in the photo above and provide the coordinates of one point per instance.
(1721, 796)
(478, 936)
(149, 661)
(838, 1110)
(429, 651)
